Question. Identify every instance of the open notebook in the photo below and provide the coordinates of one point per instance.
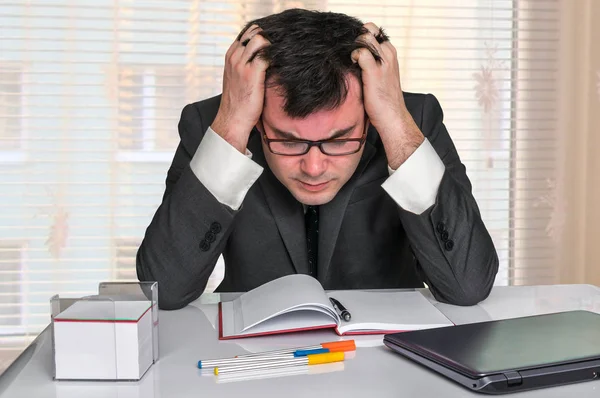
(298, 302)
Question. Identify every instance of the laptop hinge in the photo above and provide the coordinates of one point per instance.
(513, 378)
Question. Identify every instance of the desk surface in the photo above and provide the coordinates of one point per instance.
(189, 334)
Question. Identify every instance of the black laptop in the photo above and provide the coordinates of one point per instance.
(504, 356)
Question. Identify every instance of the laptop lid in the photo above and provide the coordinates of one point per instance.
(499, 353)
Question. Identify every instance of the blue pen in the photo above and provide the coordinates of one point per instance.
(303, 353)
(213, 363)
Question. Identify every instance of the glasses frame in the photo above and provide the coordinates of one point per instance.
(319, 144)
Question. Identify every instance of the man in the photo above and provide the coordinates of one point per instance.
(314, 161)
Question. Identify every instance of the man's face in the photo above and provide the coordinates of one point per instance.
(314, 178)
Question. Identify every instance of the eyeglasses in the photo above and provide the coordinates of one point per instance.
(334, 147)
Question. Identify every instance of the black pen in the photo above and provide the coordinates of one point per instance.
(342, 311)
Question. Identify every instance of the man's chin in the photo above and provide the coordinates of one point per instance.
(313, 199)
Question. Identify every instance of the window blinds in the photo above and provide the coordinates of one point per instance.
(91, 92)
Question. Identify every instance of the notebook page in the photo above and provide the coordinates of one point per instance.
(292, 321)
(279, 296)
(389, 311)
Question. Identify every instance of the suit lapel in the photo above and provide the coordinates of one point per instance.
(286, 210)
(331, 214)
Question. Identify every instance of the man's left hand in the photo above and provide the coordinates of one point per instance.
(383, 98)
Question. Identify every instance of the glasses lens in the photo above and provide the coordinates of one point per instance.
(341, 147)
(288, 147)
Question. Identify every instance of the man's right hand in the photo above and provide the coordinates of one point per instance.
(243, 89)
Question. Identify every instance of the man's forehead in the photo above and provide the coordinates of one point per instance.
(319, 125)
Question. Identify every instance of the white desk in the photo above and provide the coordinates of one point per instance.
(188, 335)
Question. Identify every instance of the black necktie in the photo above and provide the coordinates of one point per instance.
(311, 220)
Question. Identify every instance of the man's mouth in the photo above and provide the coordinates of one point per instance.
(314, 187)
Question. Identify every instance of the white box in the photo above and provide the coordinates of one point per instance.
(105, 337)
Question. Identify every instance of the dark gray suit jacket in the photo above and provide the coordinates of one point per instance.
(365, 239)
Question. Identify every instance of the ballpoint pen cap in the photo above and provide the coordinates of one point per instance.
(342, 348)
(344, 345)
(303, 353)
(325, 358)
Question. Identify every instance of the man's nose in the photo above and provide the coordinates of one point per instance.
(314, 163)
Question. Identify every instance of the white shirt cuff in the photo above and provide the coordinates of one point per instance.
(223, 170)
(414, 186)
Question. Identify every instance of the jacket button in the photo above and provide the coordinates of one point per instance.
(449, 245)
(204, 245)
(215, 227)
(441, 227)
(445, 235)
(210, 237)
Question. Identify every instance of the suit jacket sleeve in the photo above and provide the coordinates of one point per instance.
(189, 229)
(454, 251)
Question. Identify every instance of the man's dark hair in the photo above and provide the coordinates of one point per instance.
(309, 57)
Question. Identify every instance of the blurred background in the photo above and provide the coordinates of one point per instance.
(91, 92)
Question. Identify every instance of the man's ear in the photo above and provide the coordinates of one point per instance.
(367, 123)
(260, 126)
(358, 76)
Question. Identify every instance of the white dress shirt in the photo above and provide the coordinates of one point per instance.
(229, 174)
